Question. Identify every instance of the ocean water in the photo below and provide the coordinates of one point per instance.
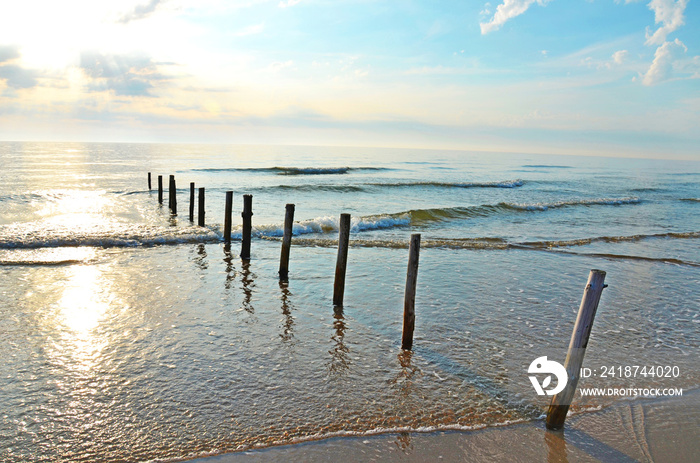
(129, 333)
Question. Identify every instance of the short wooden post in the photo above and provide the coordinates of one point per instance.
(200, 215)
(342, 260)
(149, 181)
(227, 217)
(247, 225)
(286, 241)
(556, 415)
(409, 299)
(172, 193)
(191, 201)
(160, 189)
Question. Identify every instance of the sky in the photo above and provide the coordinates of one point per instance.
(592, 77)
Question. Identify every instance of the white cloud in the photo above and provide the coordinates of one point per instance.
(620, 56)
(285, 4)
(669, 14)
(507, 10)
(140, 12)
(662, 67)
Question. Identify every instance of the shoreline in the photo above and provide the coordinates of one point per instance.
(637, 430)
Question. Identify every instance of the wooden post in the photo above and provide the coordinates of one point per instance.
(227, 217)
(247, 225)
(191, 201)
(149, 181)
(172, 193)
(200, 216)
(556, 415)
(160, 189)
(342, 261)
(286, 241)
(409, 299)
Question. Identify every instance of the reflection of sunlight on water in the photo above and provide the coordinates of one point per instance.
(82, 306)
(76, 209)
(46, 256)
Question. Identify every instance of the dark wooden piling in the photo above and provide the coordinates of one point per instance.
(160, 189)
(556, 415)
(227, 217)
(172, 191)
(342, 260)
(286, 241)
(191, 201)
(409, 301)
(149, 182)
(200, 215)
(247, 214)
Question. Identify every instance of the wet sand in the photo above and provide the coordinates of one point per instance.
(645, 430)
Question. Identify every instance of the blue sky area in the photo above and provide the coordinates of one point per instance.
(598, 77)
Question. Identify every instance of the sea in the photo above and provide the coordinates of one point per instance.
(130, 333)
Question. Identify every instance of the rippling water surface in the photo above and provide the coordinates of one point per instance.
(127, 333)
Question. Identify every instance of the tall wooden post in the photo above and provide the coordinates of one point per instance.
(200, 215)
(160, 189)
(342, 260)
(149, 181)
(409, 299)
(191, 201)
(173, 195)
(247, 214)
(286, 241)
(556, 415)
(227, 217)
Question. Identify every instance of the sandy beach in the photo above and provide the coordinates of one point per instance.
(646, 430)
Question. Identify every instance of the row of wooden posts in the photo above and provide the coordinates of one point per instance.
(559, 406)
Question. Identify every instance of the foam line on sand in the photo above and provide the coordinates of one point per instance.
(645, 430)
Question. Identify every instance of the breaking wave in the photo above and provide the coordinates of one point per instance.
(361, 187)
(295, 170)
(33, 235)
(25, 236)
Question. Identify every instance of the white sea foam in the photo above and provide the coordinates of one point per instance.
(30, 236)
(579, 202)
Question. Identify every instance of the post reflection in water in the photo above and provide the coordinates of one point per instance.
(403, 442)
(340, 354)
(288, 328)
(201, 258)
(402, 383)
(556, 447)
(230, 270)
(248, 280)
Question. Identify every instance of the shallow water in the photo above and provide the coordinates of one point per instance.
(128, 333)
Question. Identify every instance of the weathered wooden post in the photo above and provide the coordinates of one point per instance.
(191, 201)
(286, 241)
(342, 261)
(227, 217)
(247, 225)
(172, 191)
(556, 415)
(149, 181)
(200, 215)
(409, 299)
(160, 189)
